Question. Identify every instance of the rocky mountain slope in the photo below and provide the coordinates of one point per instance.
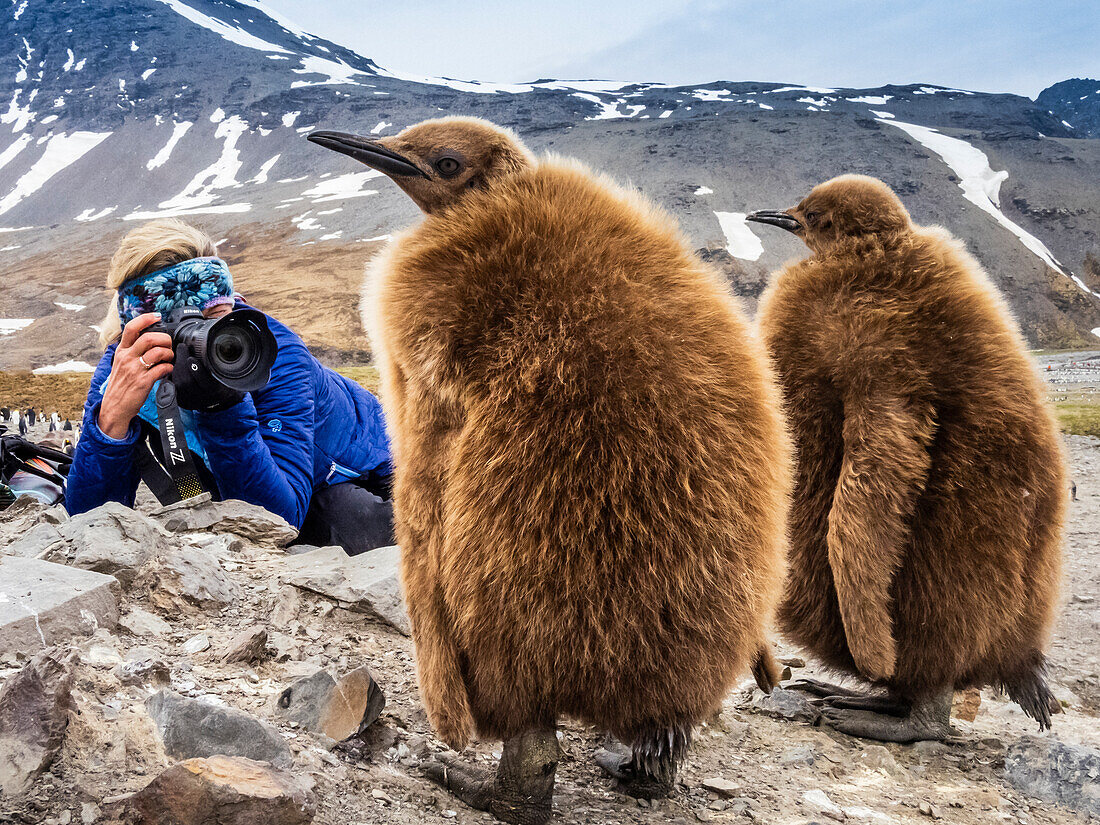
(111, 114)
(1077, 101)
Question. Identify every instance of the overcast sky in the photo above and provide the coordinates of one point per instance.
(1017, 46)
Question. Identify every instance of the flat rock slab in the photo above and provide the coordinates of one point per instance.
(191, 728)
(42, 604)
(368, 583)
(1045, 768)
(226, 790)
(240, 518)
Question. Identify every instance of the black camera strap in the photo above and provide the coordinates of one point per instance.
(177, 455)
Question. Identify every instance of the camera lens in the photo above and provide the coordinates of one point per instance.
(233, 352)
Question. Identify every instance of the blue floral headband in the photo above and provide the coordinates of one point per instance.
(199, 282)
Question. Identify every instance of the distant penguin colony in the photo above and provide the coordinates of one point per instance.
(592, 473)
(927, 518)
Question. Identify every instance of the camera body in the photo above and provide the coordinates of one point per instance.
(220, 359)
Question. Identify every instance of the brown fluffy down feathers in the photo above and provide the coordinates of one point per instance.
(930, 485)
(592, 472)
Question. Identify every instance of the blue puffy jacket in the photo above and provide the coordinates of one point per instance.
(308, 426)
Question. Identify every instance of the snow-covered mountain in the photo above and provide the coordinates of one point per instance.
(116, 112)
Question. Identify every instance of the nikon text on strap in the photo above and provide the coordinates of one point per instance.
(177, 456)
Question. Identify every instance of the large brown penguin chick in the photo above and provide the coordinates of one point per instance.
(591, 468)
(926, 525)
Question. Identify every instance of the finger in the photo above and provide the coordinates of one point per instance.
(151, 340)
(136, 326)
(150, 354)
(158, 372)
(155, 356)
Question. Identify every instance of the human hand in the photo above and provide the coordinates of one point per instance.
(140, 361)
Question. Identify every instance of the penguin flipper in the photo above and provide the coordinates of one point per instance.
(765, 669)
(886, 464)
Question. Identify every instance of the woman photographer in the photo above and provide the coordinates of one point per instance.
(310, 446)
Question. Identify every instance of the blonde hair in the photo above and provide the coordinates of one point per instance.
(155, 245)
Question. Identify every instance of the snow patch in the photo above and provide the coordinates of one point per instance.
(817, 90)
(161, 157)
(218, 115)
(91, 215)
(224, 209)
(147, 74)
(381, 125)
(740, 240)
(609, 111)
(221, 174)
(223, 30)
(18, 115)
(64, 366)
(289, 118)
(9, 154)
(886, 115)
(70, 307)
(11, 325)
(871, 100)
(334, 71)
(61, 151)
(704, 190)
(261, 176)
(331, 236)
(980, 185)
(665, 113)
(343, 186)
(69, 63)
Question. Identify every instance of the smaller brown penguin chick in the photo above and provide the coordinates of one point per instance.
(925, 534)
(437, 161)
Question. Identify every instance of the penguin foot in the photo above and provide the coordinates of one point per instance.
(821, 689)
(886, 705)
(521, 793)
(928, 719)
(637, 776)
(471, 784)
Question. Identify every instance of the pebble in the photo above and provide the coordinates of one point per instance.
(196, 644)
(930, 810)
(722, 787)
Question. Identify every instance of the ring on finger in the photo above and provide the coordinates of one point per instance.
(144, 363)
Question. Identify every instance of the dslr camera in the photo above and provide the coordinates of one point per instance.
(218, 360)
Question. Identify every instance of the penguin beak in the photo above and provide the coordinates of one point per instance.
(784, 220)
(370, 152)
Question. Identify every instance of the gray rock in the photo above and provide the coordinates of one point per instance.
(143, 623)
(798, 756)
(34, 713)
(238, 517)
(336, 709)
(222, 789)
(247, 646)
(367, 583)
(785, 704)
(110, 539)
(143, 667)
(39, 540)
(1045, 768)
(42, 604)
(192, 728)
(192, 575)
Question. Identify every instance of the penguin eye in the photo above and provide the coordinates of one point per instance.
(448, 166)
(811, 217)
